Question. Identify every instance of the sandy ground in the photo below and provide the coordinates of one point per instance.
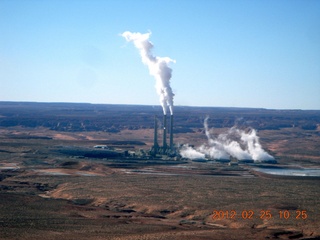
(46, 195)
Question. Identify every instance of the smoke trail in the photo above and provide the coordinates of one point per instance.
(254, 146)
(216, 148)
(236, 143)
(189, 152)
(158, 67)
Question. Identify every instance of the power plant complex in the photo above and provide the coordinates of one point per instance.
(164, 151)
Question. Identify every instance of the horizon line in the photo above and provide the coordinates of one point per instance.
(152, 105)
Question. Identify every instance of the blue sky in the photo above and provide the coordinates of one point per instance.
(263, 54)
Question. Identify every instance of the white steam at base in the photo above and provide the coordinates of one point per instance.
(158, 67)
(236, 143)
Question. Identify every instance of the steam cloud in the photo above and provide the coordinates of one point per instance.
(237, 143)
(158, 67)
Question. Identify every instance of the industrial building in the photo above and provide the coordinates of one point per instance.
(165, 149)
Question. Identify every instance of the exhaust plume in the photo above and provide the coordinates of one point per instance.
(158, 67)
(189, 152)
(237, 143)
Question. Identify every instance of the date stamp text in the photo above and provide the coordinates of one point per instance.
(262, 214)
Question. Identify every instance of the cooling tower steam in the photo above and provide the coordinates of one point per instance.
(158, 67)
(189, 152)
(240, 144)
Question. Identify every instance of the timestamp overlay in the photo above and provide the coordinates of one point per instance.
(263, 214)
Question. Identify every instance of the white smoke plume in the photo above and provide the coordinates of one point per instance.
(254, 146)
(158, 67)
(190, 153)
(237, 143)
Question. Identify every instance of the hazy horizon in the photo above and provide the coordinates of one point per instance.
(159, 106)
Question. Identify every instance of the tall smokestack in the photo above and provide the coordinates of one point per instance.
(164, 133)
(155, 140)
(171, 132)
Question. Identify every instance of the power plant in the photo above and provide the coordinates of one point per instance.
(159, 68)
(165, 149)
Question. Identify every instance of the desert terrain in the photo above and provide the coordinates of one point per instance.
(55, 185)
